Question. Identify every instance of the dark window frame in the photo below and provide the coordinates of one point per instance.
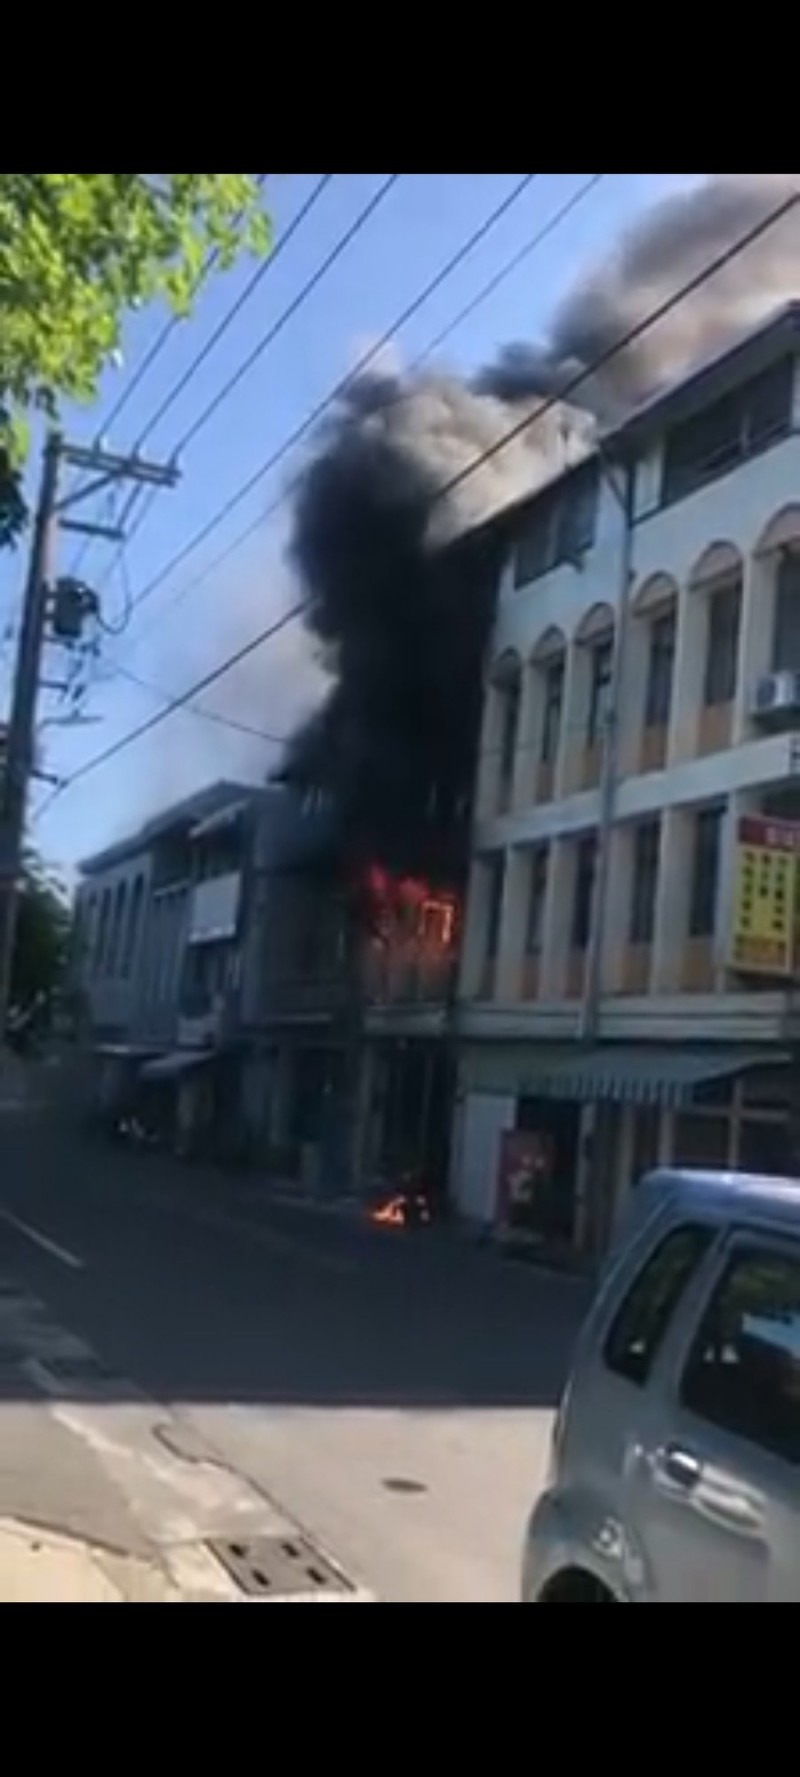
(724, 639)
(646, 880)
(585, 890)
(627, 1331)
(786, 645)
(497, 869)
(602, 661)
(561, 526)
(661, 670)
(511, 719)
(705, 1387)
(554, 673)
(706, 872)
(728, 431)
(537, 901)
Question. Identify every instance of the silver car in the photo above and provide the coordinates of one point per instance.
(676, 1462)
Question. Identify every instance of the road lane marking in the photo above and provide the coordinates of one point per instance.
(45, 1245)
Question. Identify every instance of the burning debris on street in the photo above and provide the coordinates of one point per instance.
(401, 584)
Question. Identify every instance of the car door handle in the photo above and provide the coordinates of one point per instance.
(682, 1468)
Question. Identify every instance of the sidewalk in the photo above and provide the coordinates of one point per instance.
(47, 1569)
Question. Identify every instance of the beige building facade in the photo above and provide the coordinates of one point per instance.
(642, 700)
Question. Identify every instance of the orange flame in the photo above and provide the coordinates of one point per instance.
(402, 1212)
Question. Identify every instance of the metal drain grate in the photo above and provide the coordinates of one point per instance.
(278, 1567)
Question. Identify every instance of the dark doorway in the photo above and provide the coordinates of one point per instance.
(552, 1212)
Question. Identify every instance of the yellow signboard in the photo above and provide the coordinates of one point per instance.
(765, 920)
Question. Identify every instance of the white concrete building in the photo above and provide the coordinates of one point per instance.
(643, 696)
(139, 907)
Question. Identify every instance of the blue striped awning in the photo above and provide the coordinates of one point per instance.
(649, 1074)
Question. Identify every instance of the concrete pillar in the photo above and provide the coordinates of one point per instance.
(475, 921)
(634, 697)
(558, 919)
(690, 671)
(756, 641)
(619, 902)
(573, 722)
(674, 899)
(511, 961)
(529, 742)
(489, 762)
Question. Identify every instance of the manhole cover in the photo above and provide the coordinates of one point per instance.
(277, 1567)
(406, 1489)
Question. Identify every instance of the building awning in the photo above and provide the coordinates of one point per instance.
(645, 1075)
(174, 1067)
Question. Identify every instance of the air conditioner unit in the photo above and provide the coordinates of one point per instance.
(778, 699)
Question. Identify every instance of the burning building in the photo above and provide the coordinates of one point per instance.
(401, 575)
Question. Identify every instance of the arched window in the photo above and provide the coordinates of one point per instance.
(597, 638)
(718, 577)
(507, 692)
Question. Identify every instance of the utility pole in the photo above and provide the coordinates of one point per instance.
(623, 491)
(41, 588)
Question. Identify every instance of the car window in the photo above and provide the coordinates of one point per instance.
(744, 1369)
(643, 1321)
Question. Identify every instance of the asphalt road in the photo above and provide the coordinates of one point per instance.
(392, 1394)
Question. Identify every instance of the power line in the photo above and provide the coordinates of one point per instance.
(613, 352)
(635, 333)
(343, 243)
(170, 327)
(364, 363)
(233, 313)
(201, 358)
(151, 357)
(478, 235)
(206, 715)
(507, 270)
(317, 413)
(178, 703)
(184, 381)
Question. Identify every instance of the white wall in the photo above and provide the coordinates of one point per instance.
(483, 1120)
(215, 909)
(115, 995)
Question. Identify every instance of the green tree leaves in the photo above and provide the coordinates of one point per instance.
(42, 938)
(77, 251)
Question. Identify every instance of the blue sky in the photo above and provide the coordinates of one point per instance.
(175, 639)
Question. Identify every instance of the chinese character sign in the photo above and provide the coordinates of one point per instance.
(767, 897)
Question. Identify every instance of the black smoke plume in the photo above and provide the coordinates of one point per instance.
(401, 590)
(402, 585)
